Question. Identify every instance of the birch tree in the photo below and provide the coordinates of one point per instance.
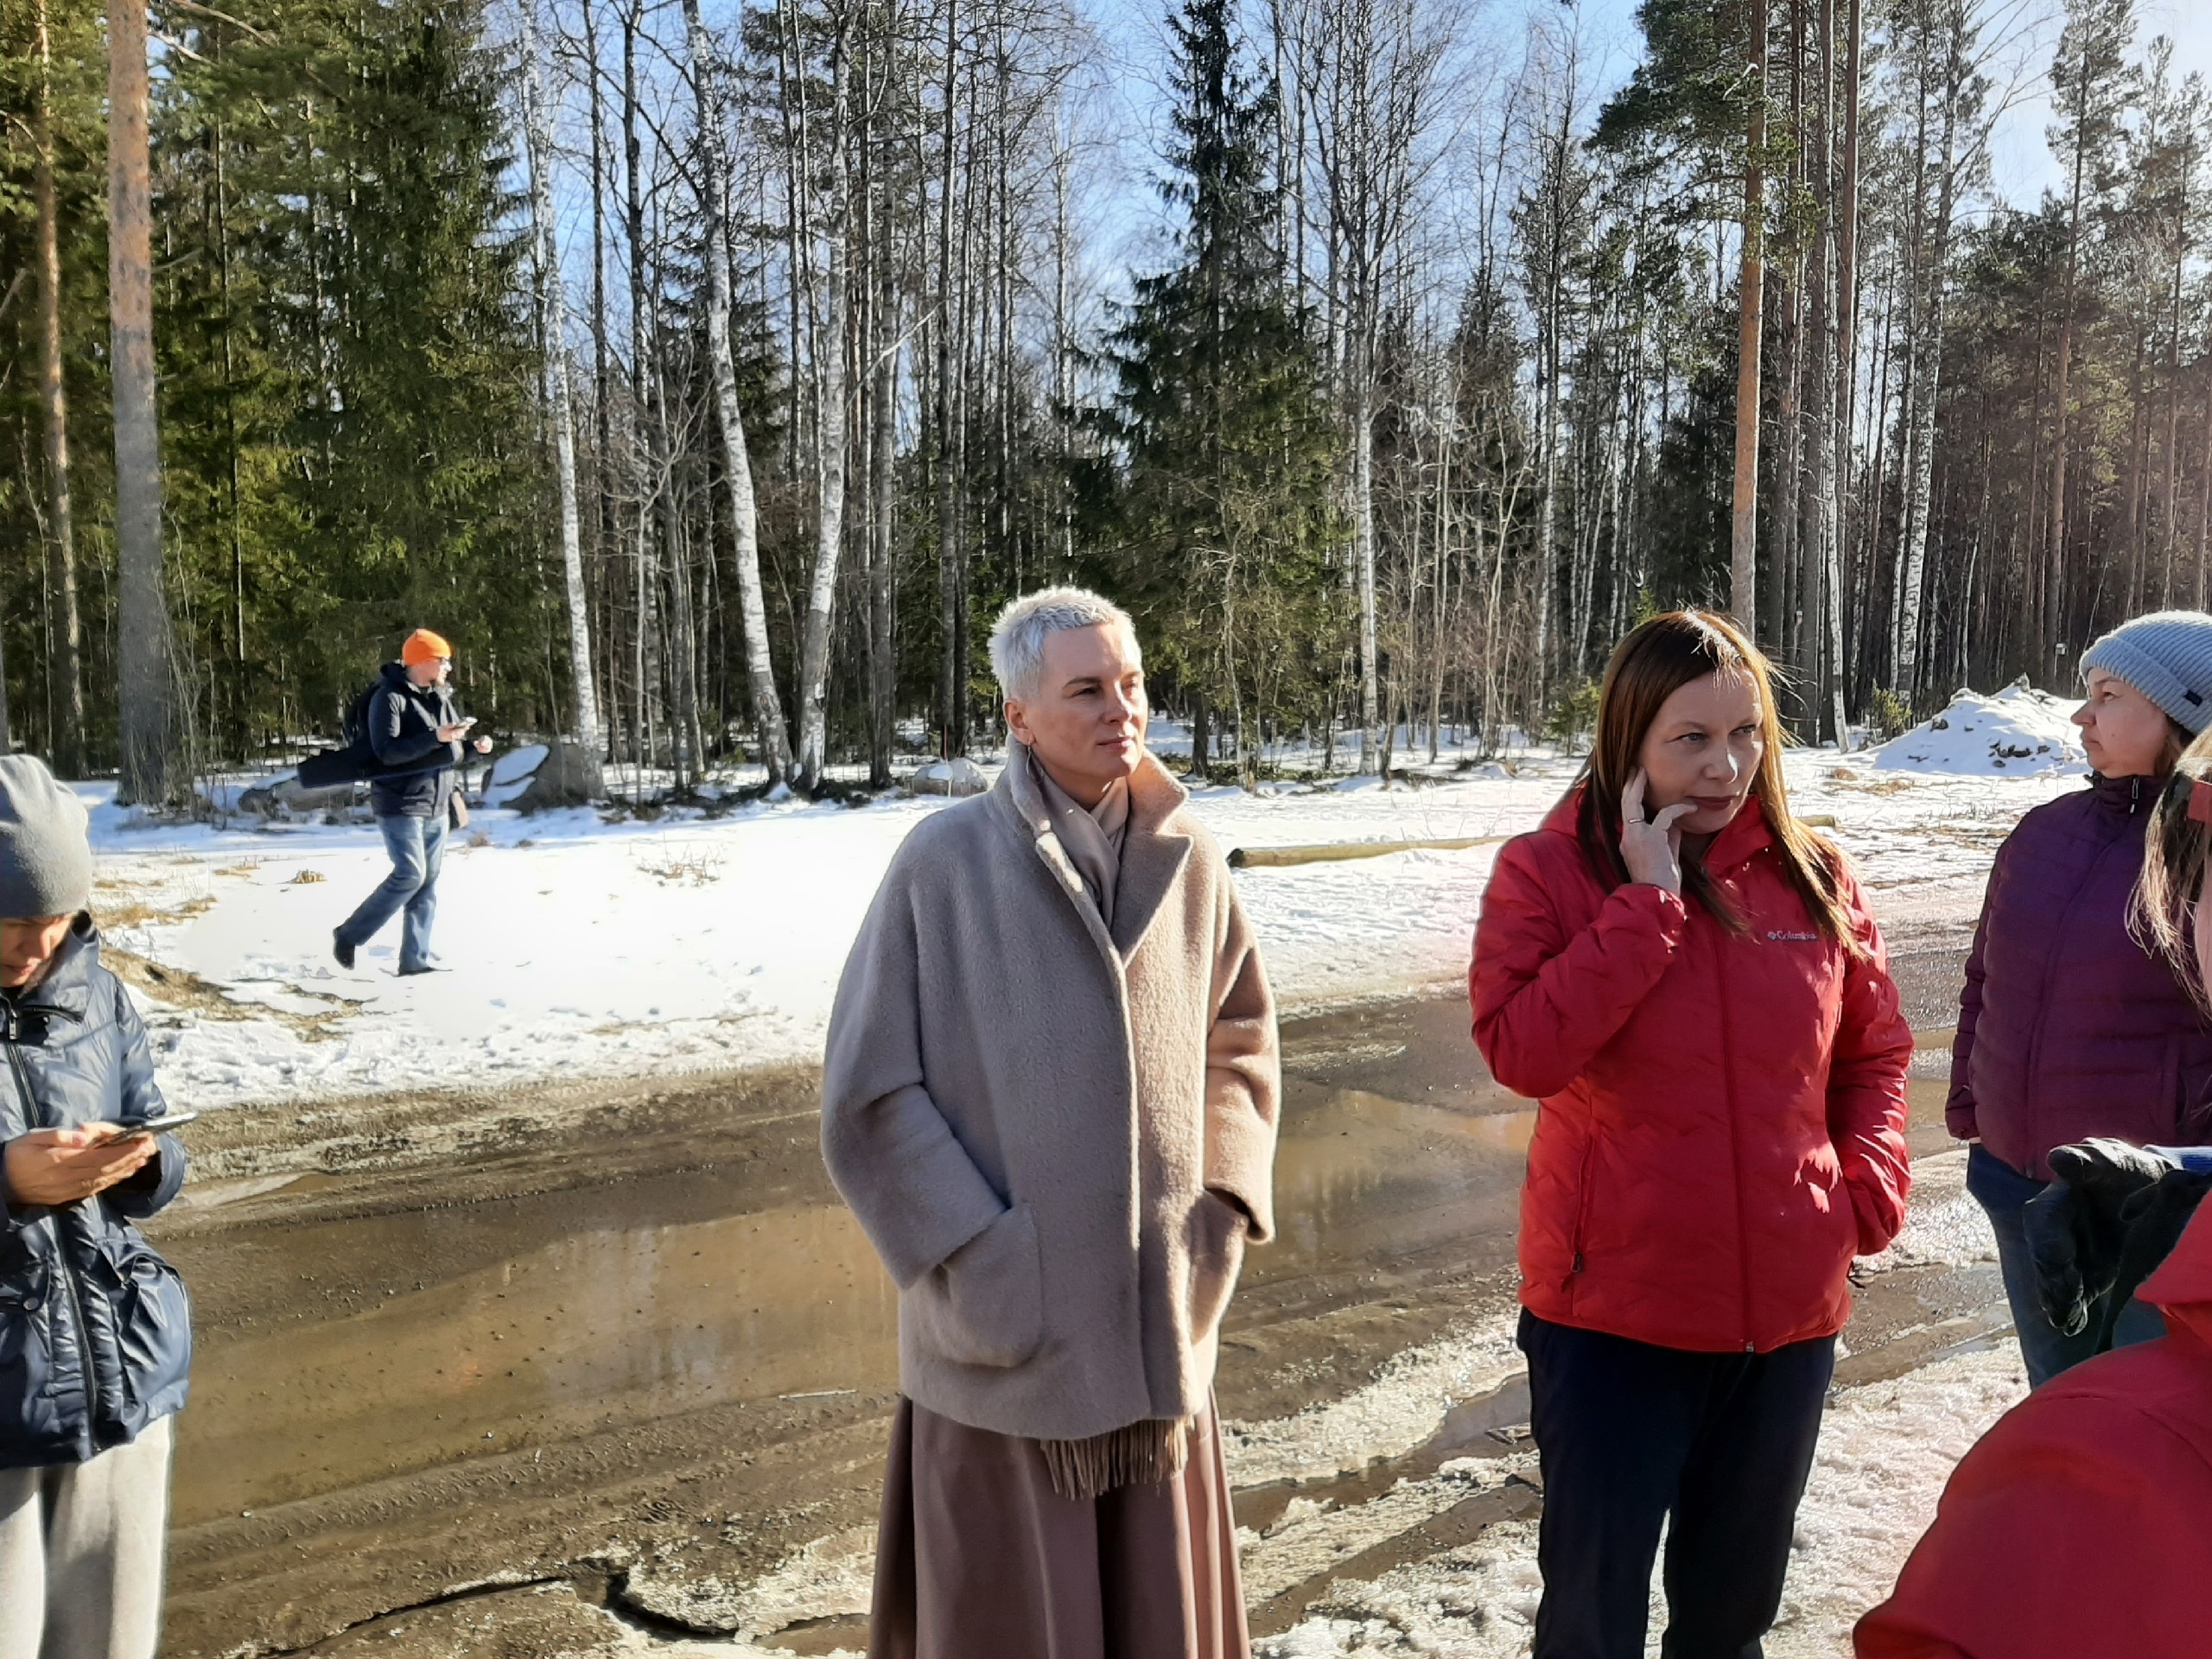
(551, 325)
(768, 705)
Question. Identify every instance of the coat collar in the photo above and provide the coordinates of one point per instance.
(2125, 797)
(1151, 858)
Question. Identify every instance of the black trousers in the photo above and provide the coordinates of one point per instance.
(1716, 1445)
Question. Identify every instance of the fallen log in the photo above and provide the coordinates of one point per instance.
(1337, 851)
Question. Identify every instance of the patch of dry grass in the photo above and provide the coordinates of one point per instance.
(139, 913)
(179, 987)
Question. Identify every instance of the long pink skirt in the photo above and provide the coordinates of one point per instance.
(978, 1558)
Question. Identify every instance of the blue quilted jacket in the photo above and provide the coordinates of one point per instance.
(95, 1328)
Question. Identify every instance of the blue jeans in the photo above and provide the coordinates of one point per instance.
(417, 846)
(2003, 1193)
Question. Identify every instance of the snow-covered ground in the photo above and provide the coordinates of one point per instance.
(1886, 1448)
(574, 947)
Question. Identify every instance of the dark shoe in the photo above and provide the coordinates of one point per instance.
(425, 969)
(342, 951)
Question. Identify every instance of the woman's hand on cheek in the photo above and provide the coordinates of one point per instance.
(1653, 851)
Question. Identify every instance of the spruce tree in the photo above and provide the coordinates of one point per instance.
(1219, 525)
(349, 350)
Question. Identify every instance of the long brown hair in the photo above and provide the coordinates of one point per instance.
(2177, 849)
(1656, 660)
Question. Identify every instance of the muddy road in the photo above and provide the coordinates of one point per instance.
(567, 1370)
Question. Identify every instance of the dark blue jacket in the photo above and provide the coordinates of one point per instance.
(415, 775)
(95, 1328)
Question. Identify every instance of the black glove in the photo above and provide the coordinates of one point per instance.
(2076, 1235)
(2152, 1219)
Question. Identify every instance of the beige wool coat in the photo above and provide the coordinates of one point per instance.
(1036, 1122)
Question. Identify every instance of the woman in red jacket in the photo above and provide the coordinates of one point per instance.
(1692, 985)
(2078, 1527)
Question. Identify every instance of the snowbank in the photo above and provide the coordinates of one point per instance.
(2019, 730)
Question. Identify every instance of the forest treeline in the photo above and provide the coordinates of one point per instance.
(709, 377)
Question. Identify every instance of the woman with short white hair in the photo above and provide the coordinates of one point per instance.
(1049, 1096)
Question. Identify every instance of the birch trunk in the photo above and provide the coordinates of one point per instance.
(952, 701)
(1743, 546)
(829, 427)
(538, 135)
(1910, 667)
(768, 706)
(1362, 487)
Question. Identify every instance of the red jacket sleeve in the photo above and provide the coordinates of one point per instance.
(1547, 1000)
(1867, 1108)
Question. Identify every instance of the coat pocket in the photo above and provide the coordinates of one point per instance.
(30, 1418)
(984, 1304)
(153, 1316)
(1215, 1237)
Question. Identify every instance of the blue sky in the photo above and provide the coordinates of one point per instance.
(2022, 161)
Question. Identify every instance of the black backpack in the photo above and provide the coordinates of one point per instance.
(354, 763)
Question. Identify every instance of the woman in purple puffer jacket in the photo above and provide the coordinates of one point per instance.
(2068, 1027)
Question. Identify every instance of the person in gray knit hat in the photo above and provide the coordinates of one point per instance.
(95, 1325)
(2165, 659)
(2068, 1028)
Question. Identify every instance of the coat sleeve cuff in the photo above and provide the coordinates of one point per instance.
(1240, 1154)
(141, 1196)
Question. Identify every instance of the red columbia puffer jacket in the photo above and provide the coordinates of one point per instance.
(2068, 1028)
(2080, 1525)
(1723, 1119)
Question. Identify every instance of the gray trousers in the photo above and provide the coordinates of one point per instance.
(81, 1554)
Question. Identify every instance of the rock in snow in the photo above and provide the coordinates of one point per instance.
(959, 776)
(2019, 730)
(542, 776)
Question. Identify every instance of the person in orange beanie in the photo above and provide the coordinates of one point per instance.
(416, 735)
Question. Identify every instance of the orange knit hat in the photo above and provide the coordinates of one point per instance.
(424, 646)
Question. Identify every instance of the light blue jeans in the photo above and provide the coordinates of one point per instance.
(417, 847)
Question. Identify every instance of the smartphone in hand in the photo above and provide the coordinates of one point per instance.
(160, 1125)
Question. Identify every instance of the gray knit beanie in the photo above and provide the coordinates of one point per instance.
(46, 861)
(2167, 655)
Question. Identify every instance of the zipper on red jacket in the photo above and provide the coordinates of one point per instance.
(1728, 941)
(1581, 1216)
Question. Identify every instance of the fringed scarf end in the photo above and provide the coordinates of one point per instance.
(1143, 1453)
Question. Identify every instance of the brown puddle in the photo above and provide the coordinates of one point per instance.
(650, 1308)
(591, 1329)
